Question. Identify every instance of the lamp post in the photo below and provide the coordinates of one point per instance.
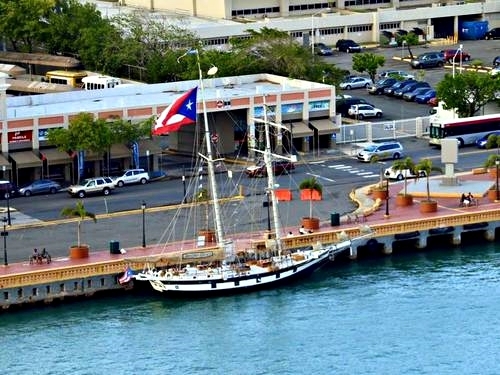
(184, 187)
(459, 50)
(387, 198)
(497, 163)
(7, 197)
(143, 208)
(4, 235)
(312, 27)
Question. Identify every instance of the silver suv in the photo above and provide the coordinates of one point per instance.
(132, 176)
(381, 151)
(96, 185)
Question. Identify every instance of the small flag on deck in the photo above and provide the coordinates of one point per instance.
(127, 276)
(181, 112)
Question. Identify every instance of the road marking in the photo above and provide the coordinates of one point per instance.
(321, 177)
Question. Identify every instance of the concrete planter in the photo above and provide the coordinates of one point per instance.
(428, 206)
(379, 193)
(404, 200)
(79, 252)
(492, 195)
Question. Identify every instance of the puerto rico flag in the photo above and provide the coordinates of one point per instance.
(127, 276)
(181, 112)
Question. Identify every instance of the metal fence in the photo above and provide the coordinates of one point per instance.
(383, 130)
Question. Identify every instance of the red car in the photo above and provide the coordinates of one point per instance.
(433, 102)
(279, 167)
(449, 54)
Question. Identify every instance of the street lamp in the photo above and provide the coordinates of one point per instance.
(497, 163)
(312, 27)
(143, 208)
(184, 186)
(403, 49)
(459, 50)
(387, 198)
(7, 197)
(4, 235)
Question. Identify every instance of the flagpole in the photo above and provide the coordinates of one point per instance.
(211, 171)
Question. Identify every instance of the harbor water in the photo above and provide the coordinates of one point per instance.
(427, 312)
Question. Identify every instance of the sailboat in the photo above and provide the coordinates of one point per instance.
(242, 263)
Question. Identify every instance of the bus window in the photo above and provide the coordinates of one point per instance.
(63, 77)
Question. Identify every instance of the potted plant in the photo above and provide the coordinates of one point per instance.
(491, 161)
(407, 167)
(380, 190)
(310, 189)
(78, 211)
(428, 204)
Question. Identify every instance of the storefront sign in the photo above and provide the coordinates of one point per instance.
(20, 136)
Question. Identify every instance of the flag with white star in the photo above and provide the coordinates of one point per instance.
(181, 112)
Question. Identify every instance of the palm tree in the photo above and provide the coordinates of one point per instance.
(311, 184)
(402, 165)
(426, 166)
(79, 212)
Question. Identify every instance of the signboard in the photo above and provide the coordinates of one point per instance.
(20, 136)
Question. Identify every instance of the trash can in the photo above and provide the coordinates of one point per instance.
(334, 219)
(114, 247)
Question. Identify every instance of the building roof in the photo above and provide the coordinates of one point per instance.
(160, 94)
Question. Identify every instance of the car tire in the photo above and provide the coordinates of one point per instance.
(348, 87)
(421, 174)
(440, 64)
(143, 181)
(360, 116)
(81, 194)
(52, 191)
(466, 58)
(396, 156)
(378, 115)
(27, 193)
(399, 177)
(120, 183)
(106, 191)
(367, 85)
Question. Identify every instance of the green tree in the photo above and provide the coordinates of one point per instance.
(467, 92)
(410, 39)
(402, 165)
(427, 166)
(79, 212)
(367, 62)
(24, 22)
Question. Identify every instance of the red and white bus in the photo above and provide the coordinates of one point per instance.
(465, 130)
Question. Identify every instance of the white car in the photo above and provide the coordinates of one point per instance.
(95, 185)
(356, 83)
(360, 111)
(393, 174)
(395, 74)
(132, 176)
(495, 71)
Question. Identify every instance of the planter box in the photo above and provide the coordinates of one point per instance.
(404, 200)
(492, 195)
(310, 223)
(283, 194)
(380, 194)
(79, 252)
(428, 206)
(310, 195)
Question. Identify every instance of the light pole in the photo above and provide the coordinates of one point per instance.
(147, 157)
(497, 163)
(184, 187)
(7, 197)
(459, 50)
(4, 235)
(387, 198)
(143, 208)
(312, 27)
(403, 49)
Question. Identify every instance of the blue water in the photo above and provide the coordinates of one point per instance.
(431, 312)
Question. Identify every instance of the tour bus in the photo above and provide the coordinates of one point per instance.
(465, 130)
(100, 82)
(66, 77)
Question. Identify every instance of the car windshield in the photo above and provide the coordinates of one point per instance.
(370, 148)
(86, 181)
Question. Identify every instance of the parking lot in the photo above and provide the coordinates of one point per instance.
(394, 109)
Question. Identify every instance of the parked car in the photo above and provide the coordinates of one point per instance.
(496, 61)
(96, 185)
(322, 49)
(433, 102)
(342, 106)
(381, 151)
(348, 45)
(7, 187)
(40, 187)
(279, 167)
(378, 88)
(493, 34)
(400, 84)
(410, 95)
(394, 174)
(360, 111)
(456, 55)
(481, 142)
(132, 176)
(425, 97)
(495, 71)
(356, 83)
(396, 74)
(428, 60)
(407, 88)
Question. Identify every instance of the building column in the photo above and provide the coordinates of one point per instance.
(251, 129)
(490, 234)
(387, 250)
(457, 238)
(3, 112)
(353, 252)
(422, 242)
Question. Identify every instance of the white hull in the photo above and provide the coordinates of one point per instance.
(228, 279)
